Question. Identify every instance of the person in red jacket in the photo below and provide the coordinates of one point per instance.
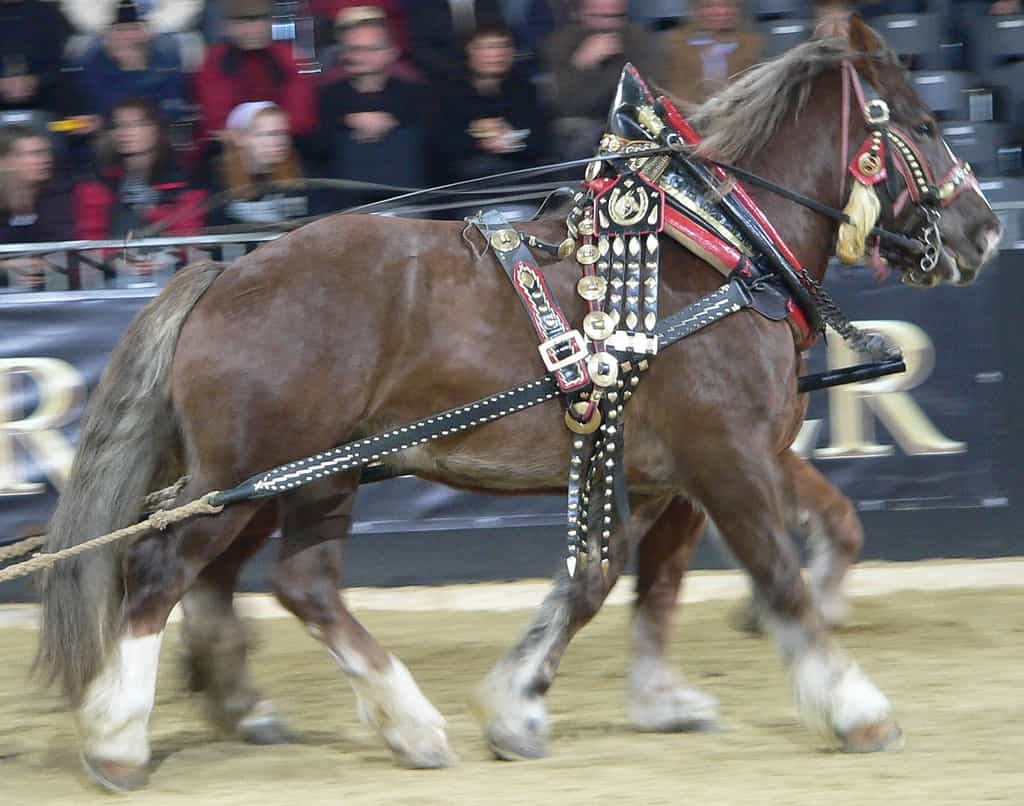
(251, 67)
(138, 185)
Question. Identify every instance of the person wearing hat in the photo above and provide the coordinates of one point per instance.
(252, 67)
(131, 62)
(334, 58)
(329, 13)
(162, 16)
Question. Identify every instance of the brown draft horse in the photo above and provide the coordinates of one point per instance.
(355, 324)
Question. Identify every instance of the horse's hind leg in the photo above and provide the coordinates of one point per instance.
(834, 530)
(510, 702)
(307, 581)
(742, 492)
(657, 699)
(113, 714)
(817, 510)
(215, 642)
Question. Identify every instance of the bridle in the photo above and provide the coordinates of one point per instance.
(889, 154)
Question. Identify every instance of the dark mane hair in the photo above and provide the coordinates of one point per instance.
(744, 116)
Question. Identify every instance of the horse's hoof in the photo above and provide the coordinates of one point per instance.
(425, 749)
(676, 710)
(264, 732)
(747, 619)
(874, 737)
(509, 745)
(114, 776)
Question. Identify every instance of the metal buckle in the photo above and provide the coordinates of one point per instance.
(572, 338)
(638, 343)
(876, 112)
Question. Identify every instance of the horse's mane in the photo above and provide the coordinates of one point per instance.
(744, 116)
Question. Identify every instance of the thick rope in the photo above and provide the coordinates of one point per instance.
(158, 499)
(25, 546)
(159, 520)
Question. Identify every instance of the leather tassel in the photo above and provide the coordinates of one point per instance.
(863, 209)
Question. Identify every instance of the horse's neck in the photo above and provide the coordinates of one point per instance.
(804, 156)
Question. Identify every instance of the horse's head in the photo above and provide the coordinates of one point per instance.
(904, 177)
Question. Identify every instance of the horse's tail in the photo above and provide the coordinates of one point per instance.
(128, 430)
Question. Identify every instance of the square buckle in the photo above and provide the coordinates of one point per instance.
(637, 343)
(572, 338)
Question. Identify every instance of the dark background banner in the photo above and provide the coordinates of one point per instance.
(929, 457)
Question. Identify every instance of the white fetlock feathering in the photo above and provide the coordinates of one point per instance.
(114, 715)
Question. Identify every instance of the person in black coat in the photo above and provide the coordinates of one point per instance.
(35, 205)
(494, 120)
(438, 29)
(371, 122)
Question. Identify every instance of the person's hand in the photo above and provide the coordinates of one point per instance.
(141, 267)
(26, 272)
(1000, 7)
(595, 49)
(16, 89)
(491, 134)
(370, 127)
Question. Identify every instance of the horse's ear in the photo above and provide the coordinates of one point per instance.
(861, 36)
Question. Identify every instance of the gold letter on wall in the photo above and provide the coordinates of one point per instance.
(59, 387)
(854, 408)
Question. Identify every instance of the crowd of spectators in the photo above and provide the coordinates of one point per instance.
(119, 115)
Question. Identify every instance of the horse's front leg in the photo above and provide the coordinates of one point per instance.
(658, 700)
(741, 489)
(510, 701)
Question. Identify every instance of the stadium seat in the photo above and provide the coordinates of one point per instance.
(915, 37)
(994, 41)
(945, 92)
(1009, 84)
(977, 143)
(779, 9)
(657, 13)
(781, 35)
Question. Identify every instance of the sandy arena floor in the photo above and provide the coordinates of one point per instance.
(951, 661)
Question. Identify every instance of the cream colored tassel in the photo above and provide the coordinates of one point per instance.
(863, 208)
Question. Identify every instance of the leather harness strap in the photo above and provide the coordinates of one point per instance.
(562, 349)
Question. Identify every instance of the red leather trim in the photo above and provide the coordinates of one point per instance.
(531, 308)
(706, 241)
(858, 174)
(805, 339)
(601, 184)
(678, 122)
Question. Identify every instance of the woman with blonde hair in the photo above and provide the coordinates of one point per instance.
(258, 149)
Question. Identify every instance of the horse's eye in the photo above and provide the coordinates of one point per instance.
(925, 129)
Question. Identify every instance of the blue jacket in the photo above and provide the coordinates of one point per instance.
(106, 84)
